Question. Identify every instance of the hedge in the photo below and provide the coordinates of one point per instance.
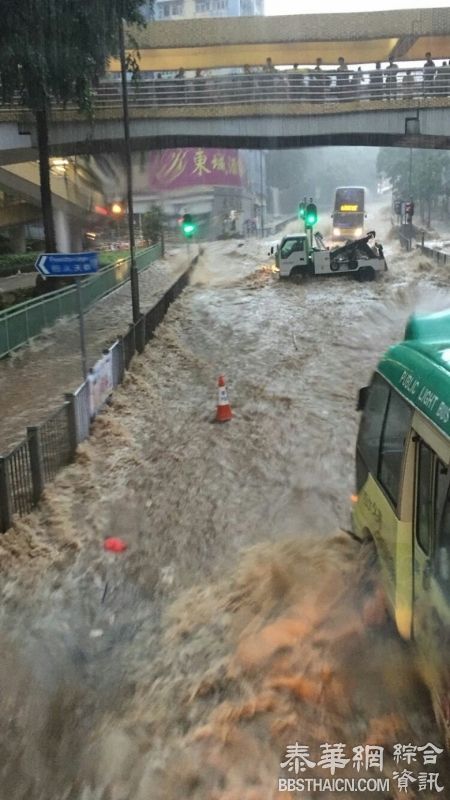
(13, 262)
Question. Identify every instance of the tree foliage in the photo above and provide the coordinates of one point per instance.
(152, 224)
(422, 175)
(58, 49)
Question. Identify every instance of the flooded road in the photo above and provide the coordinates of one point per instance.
(241, 620)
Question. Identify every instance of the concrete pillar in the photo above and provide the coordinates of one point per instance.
(68, 232)
(62, 231)
(76, 235)
(18, 239)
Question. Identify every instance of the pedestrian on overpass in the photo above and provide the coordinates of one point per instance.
(319, 82)
(356, 81)
(342, 79)
(199, 86)
(268, 79)
(248, 84)
(180, 83)
(408, 84)
(429, 71)
(391, 79)
(296, 84)
(376, 82)
(442, 79)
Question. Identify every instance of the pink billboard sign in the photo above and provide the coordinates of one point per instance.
(187, 167)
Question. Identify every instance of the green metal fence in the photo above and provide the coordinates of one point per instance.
(19, 323)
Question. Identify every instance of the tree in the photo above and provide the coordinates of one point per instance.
(57, 49)
(152, 224)
(422, 175)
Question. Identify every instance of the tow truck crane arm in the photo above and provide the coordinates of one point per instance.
(359, 247)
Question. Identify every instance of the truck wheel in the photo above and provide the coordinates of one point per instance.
(366, 274)
(297, 273)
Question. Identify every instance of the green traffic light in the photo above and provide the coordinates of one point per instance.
(188, 228)
(311, 215)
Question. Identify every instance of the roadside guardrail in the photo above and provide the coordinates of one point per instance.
(21, 322)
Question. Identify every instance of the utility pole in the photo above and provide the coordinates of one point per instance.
(410, 173)
(261, 187)
(410, 198)
(134, 277)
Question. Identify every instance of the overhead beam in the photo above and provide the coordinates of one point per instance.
(404, 44)
(236, 55)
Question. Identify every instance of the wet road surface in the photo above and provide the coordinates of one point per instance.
(241, 619)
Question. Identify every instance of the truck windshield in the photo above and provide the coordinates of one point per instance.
(292, 246)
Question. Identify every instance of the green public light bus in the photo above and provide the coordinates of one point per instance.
(402, 499)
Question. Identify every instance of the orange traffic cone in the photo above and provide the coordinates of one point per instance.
(224, 412)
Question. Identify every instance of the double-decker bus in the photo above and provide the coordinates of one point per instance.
(402, 499)
(349, 212)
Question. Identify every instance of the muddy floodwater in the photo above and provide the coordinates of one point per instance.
(242, 620)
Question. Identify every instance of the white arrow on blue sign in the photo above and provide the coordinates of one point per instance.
(67, 265)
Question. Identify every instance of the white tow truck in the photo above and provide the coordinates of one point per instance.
(296, 257)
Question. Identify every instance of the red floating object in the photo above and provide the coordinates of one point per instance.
(114, 544)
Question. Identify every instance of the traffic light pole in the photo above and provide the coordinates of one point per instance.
(134, 277)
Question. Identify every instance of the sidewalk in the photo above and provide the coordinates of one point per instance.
(21, 281)
(33, 379)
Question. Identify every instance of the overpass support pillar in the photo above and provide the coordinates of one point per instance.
(68, 233)
(18, 239)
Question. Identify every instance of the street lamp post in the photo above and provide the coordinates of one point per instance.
(134, 277)
(261, 180)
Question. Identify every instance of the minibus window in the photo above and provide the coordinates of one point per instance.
(424, 497)
(396, 427)
(372, 423)
(442, 551)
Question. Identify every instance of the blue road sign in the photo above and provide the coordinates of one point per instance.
(67, 265)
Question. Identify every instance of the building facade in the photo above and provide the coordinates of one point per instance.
(189, 9)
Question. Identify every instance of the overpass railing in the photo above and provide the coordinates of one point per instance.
(301, 86)
(20, 323)
(280, 86)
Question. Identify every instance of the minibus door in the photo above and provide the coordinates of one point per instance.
(423, 536)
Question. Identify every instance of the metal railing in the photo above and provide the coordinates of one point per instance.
(26, 469)
(302, 86)
(440, 256)
(281, 86)
(21, 322)
(278, 87)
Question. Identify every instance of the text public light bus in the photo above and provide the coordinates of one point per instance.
(403, 492)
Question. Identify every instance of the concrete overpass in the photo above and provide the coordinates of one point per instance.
(272, 119)
(361, 38)
(397, 121)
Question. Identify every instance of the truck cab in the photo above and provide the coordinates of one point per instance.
(292, 256)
